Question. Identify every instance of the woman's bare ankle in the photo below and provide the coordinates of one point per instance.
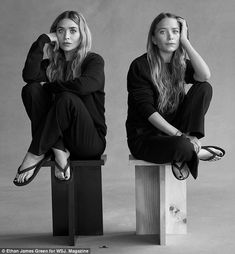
(60, 153)
(30, 159)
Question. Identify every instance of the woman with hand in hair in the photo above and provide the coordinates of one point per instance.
(168, 97)
(64, 99)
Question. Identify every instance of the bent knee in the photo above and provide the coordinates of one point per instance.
(205, 88)
(31, 89)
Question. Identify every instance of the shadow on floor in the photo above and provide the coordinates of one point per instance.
(47, 240)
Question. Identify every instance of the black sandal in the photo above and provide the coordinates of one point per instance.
(63, 170)
(213, 154)
(181, 172)
(37, 167)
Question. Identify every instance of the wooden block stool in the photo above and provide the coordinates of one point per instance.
(77, 205)
(160, 200)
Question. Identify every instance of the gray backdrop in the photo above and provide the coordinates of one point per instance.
(119, 29)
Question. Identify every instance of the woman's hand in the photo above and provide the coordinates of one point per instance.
(201, 69)
(184, 30)
(54, 40)
(196, 143)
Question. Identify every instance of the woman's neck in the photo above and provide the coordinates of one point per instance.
(166, 56)
(69, 54)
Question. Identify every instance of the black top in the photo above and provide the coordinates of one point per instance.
(143, 96)
(89, 86)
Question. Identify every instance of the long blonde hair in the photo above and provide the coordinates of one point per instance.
(55, 69)
(169, 83)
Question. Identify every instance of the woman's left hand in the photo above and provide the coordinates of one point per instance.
(184, 30)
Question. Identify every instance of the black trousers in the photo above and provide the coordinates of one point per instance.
(154, 146)
(61, 121)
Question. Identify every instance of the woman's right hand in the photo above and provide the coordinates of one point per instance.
(54, 40)
(196, 143)
(184, 30)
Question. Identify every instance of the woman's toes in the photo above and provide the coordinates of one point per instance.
(28, 175)
(16, 177)
(19, 178)
(217, 158)
(22, 177)
(62, 170)
(67, 173)
(59, 174)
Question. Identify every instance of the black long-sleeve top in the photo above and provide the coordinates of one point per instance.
(89, 86)
(143, 96)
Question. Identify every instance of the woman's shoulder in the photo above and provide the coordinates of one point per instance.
(140, 61)
(140, 68)
(93, 56)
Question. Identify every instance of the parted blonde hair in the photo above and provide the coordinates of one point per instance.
(55, 69)
(169, 82)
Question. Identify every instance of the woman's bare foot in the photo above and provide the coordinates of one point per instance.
(210, 154)
(206, 153)
(61, 157)
(29, 160)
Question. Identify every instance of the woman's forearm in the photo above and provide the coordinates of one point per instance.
(34, 69)
(160, 123)
(202, 71)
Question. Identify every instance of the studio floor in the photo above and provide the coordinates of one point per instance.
(26, 219)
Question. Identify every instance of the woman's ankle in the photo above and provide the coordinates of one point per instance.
(60, 154)
(34, 156)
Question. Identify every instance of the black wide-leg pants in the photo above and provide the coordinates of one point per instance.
(61, 121)
(156, 147)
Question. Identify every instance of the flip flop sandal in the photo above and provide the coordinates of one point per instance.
(63, 170)
(37, 167)
(181, 172)
(213, 154)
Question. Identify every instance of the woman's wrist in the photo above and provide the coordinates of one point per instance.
(178, 133)
(186, 44)
(52, 37)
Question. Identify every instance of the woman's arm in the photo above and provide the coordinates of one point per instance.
(91, 79)
(160, 123)
(54, 40)
(142, 97)
(201, 69)
(35, 66)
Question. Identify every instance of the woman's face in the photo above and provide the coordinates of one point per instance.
(68, 34)
(167, 35)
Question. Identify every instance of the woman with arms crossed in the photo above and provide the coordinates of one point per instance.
(168, 97)
(64, 99)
